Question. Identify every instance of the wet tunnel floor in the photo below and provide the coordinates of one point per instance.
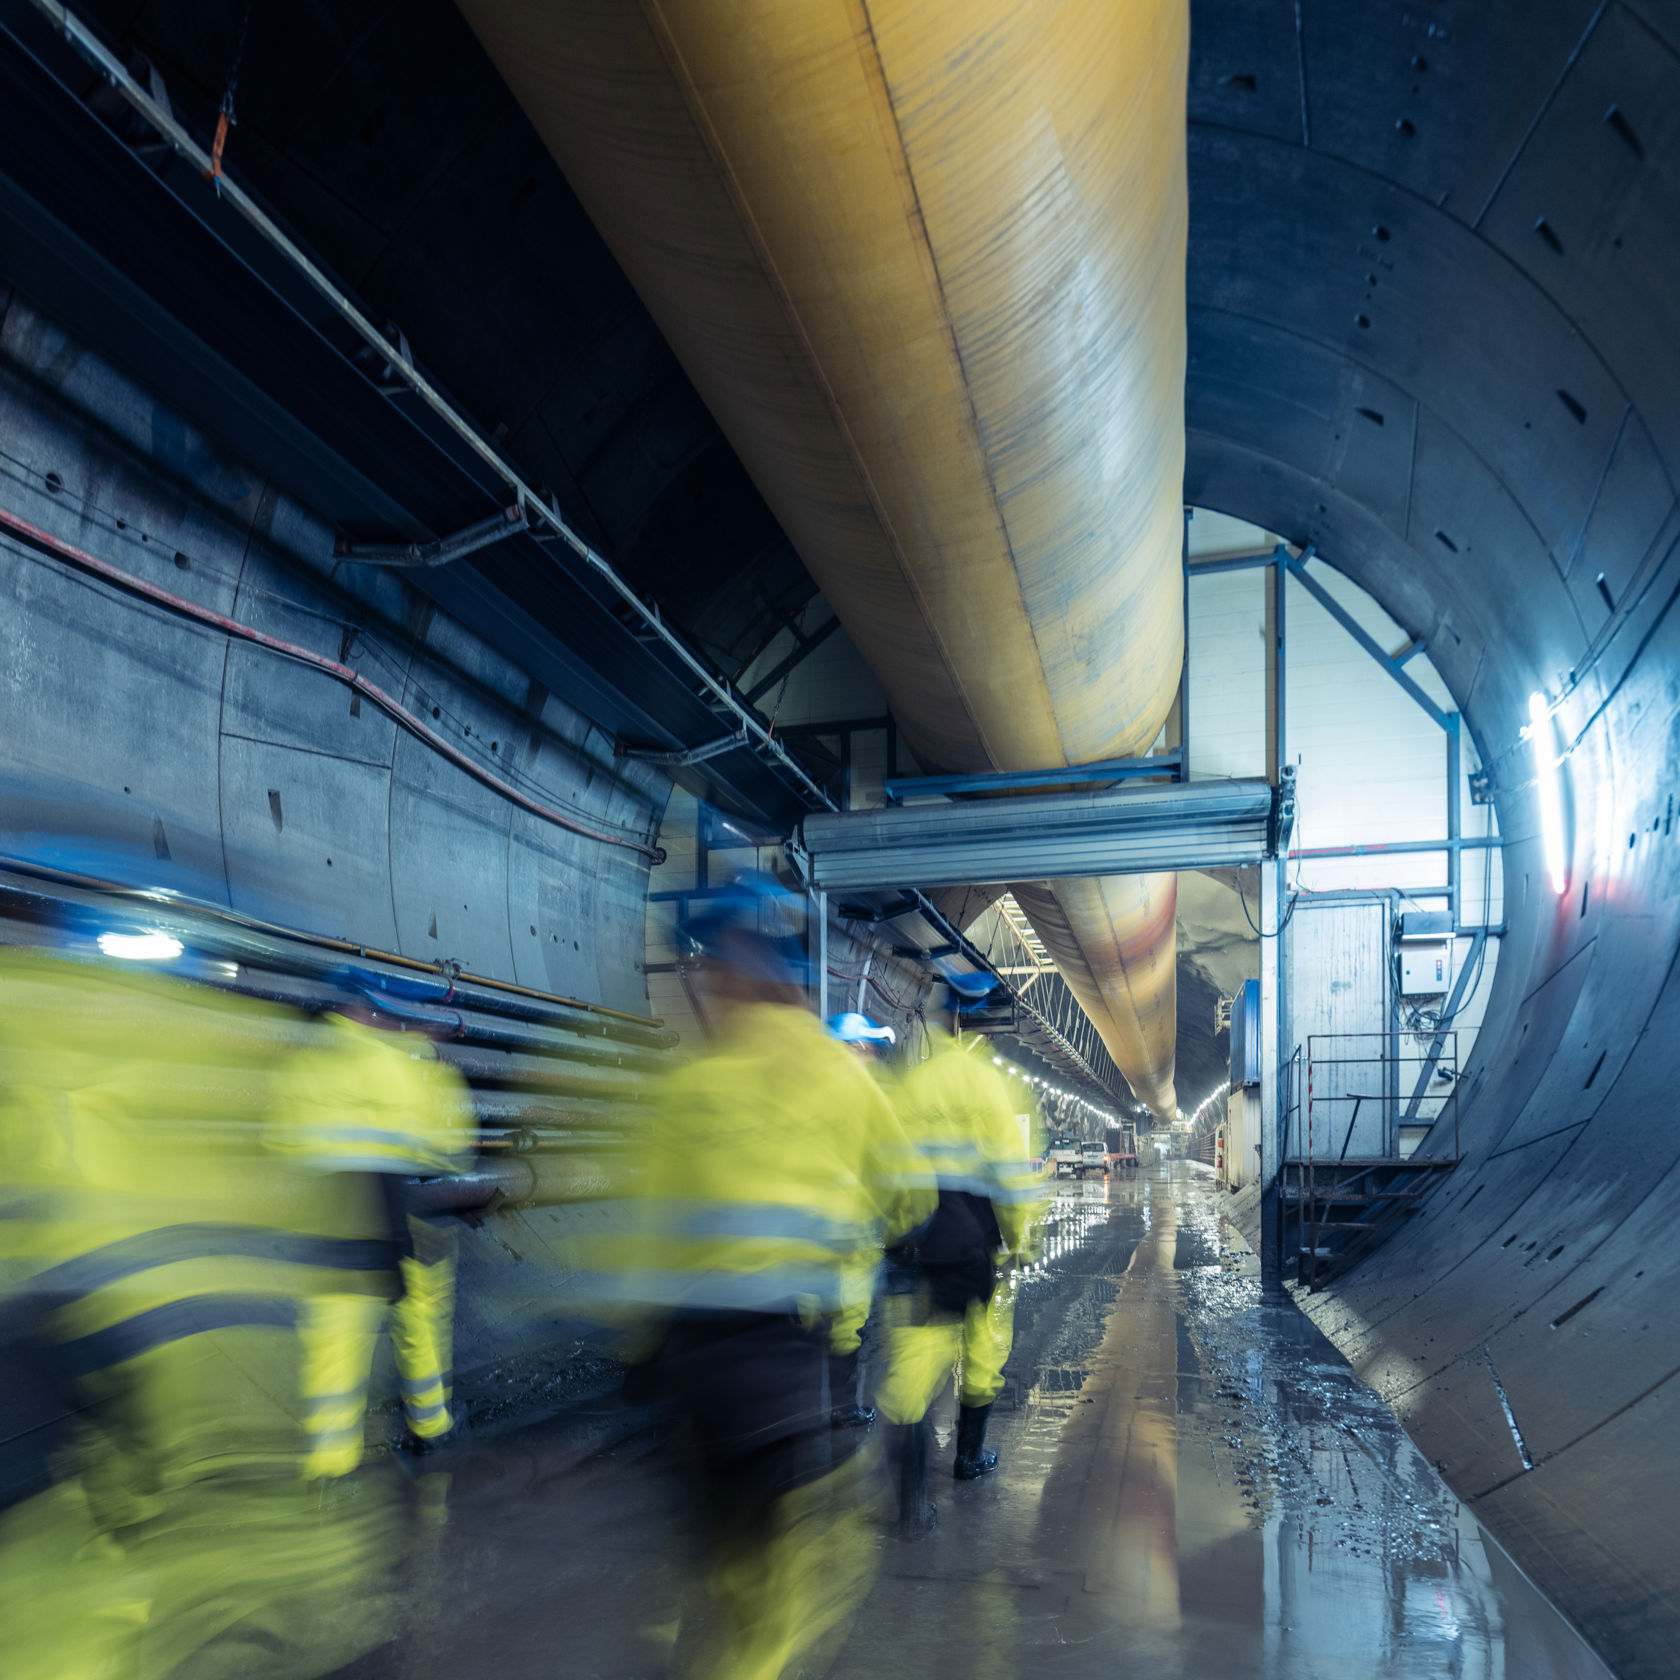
(1193, 1484)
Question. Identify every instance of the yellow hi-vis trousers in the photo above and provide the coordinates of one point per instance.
(423, 1327)
(339, 1333)
(781, 1599)
(920, 1356)
(422, 1324)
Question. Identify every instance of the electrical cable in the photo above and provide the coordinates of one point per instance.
(34, 536)
(886, 996)
(1293, 896)
(239, 585)
(1288, 914)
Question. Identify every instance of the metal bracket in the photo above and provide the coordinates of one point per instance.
(682, 757)
(1298, 570)
(510, 522)
(1282, 821)
(887, 913)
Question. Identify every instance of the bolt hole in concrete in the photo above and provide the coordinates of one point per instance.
(1194, 1485)
(1585, 1301)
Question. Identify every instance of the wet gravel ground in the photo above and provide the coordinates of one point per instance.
(1194, 1486)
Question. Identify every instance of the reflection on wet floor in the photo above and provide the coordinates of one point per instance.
(1194, 1484)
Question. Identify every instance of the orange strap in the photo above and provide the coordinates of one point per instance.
(224, 121)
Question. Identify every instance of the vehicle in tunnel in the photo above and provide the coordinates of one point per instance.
(1395, 280)
(1121, 1151)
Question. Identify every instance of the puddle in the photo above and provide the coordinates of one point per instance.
(1194, 1486)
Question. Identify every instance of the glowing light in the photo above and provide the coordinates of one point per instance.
(140, 947)
(1549, 790)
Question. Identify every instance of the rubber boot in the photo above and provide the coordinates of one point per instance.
(918, 1516)
(974, 1459)
(846, 1411)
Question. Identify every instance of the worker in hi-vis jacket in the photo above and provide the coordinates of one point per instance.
(888, 1162)
(161, 1268)
(758, 1199)
(947, 1304)
(377, 1107)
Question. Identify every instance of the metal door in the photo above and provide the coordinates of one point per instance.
(1340, 1000)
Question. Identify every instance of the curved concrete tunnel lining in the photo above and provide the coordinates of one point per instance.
(1491, 548)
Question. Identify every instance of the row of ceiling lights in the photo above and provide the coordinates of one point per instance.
(1048, 1090)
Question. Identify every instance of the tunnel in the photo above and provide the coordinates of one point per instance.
(430, 569)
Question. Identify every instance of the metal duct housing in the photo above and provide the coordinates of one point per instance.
(1124, 832)
(924, 260)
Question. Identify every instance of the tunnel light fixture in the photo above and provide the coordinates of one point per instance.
(151, 946)
(1549, 789)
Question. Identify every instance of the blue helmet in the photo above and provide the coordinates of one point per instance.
(967, 989)
(746, 924)
(853, 1028)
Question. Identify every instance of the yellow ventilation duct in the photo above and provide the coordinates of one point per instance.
(924, 260)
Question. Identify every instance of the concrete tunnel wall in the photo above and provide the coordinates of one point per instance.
(1432, 269)
(144, 748)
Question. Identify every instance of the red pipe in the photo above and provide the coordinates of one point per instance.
(353, 679)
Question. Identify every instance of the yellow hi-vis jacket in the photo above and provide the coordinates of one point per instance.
(363, 1100)
(972, 1132)
(171, 1258)
(774, 1162)
(165, 1251)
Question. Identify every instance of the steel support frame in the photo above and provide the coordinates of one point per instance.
(1184, 666)
(1104, 832)
(1455, 1000)
(1376, 848)
(1447, 722)
(1274, 1104)
(1296, 567)
(1284, 565)
(803, 647)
